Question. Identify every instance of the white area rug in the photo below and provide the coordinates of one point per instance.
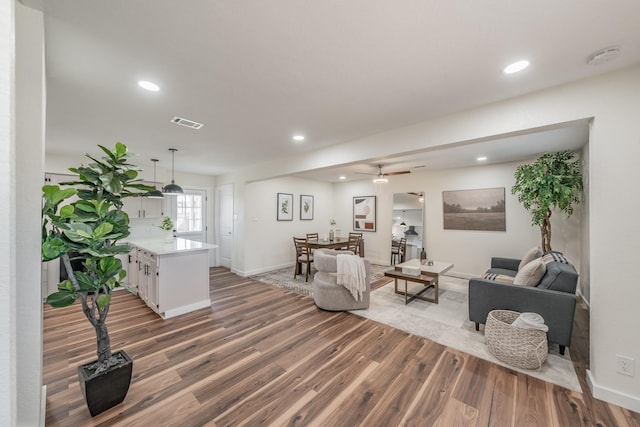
(447, 323)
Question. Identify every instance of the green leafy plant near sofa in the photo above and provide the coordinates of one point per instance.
(553, 181)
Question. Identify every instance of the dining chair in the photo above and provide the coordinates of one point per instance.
(303, 256)
(353, 243)
(398, 250)
(312, 236)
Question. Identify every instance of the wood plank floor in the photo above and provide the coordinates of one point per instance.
(264, 356)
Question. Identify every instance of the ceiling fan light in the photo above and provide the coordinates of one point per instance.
(380, 179)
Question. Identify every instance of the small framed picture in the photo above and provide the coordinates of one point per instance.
(364, 213)
(306, 207)
(285, 207)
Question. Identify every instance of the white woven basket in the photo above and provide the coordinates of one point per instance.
(519, 347)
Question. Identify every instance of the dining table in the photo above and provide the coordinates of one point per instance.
(337, 243)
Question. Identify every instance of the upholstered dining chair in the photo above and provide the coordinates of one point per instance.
(303, 256)
(398, 251)
(353, 244)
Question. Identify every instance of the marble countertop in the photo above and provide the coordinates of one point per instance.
(164, 247)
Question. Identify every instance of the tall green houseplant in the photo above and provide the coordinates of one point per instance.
(553, 181)
(85, 232)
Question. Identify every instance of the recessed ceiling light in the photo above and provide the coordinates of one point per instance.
(342, 177)
(298, 137)
(481, 158)
(148, 85)
(516, 66)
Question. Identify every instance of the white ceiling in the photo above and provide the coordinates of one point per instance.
(257, 72)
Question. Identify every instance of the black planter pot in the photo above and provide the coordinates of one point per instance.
(107, 389)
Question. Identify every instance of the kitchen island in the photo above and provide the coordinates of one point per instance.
(171, 277)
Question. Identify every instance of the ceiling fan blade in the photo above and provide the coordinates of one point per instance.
(397, 173)
(365, 173)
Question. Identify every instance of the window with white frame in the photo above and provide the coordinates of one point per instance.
(190, 212)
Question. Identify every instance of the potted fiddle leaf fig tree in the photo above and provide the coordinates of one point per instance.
(553, 181)
(82, 225)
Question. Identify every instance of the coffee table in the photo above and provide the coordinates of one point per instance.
(429, 275)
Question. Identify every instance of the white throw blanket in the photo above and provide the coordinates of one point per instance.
(530, 321)
(352, 274)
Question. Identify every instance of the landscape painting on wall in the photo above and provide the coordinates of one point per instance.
(481, 209)
(364, 213)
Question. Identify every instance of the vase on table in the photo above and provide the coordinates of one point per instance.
(331, 235)
(168, 236)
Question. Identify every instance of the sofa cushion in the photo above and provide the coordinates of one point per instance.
(530, 274)
(502, 278)
(560, 277)
(554, 256)
(531, 254)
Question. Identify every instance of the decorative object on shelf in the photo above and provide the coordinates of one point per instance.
(87, 231)
(364, 213)
(552, 181)
(155, 193)
(306, 207)
(285, 207)
(481, 209)
(173, 188)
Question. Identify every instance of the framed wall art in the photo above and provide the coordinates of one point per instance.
(285, 207)
(364, 213)
(482, 209)
(306, 207)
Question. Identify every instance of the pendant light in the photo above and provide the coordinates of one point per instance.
(172, 189)
(155, 193)
(403, 224)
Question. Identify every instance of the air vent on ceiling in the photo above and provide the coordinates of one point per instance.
(185, 122)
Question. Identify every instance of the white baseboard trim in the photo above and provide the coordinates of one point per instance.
(612, 396)
(43, 406)
(264, 269)
(186, 309)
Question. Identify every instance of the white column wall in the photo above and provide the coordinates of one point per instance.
(8, 317)
(29, 161)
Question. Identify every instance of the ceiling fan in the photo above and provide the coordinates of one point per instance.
(382, 177)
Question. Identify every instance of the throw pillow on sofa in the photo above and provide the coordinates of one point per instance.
(502, 278)
(531, 254)
(531, 274)
(554, 256)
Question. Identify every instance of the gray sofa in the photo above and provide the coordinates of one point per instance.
(327, 294)
(554, 298)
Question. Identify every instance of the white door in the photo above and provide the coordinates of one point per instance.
(224, 195)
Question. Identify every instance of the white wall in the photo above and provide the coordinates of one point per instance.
(270, 242)
(612, 101)
(8, 317)
(29, 160)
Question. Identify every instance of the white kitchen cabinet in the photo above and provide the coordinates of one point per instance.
(143, 207)
(172, 278)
